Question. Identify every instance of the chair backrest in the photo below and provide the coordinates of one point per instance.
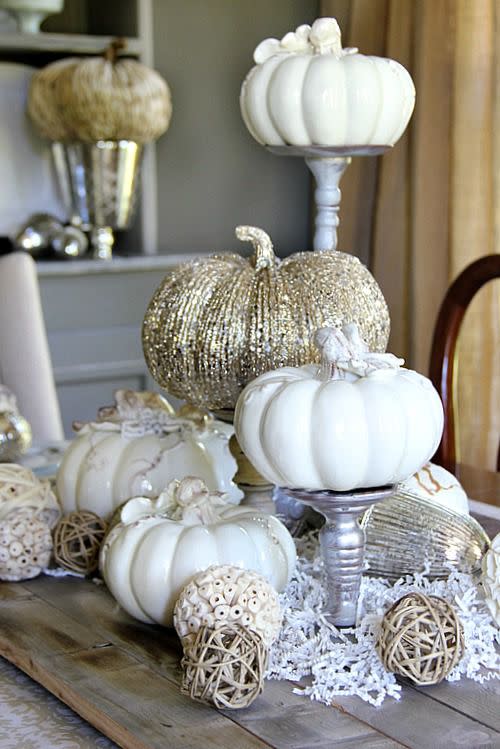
(447, 328)
(25, 364)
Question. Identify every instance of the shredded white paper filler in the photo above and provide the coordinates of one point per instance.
(345, 662)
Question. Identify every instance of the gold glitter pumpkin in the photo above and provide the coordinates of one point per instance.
(216, 323)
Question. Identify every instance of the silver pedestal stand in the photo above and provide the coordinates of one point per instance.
(327, 165)
(342, 544)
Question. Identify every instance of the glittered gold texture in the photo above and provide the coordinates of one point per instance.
(216, 323)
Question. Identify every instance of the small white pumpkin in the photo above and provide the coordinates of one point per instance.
(136, 448)
(358, 420)
(306, 90)
(159, 545)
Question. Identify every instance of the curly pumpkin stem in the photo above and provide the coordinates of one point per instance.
(110, 54)
(264, 256)
(333, 346)
(343, 350)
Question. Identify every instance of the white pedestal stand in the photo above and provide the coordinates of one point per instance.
(327, 165)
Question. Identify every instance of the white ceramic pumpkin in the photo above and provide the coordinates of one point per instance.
(135, 448)
(358, 420)
(306, 90)
(159, 545)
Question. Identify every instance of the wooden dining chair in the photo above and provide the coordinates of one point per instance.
(25, 363)
(447, 328)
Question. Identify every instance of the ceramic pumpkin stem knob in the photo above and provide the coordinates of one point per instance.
(344, 353)
(264, 256)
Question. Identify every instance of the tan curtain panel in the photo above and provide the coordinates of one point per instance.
(418, 215)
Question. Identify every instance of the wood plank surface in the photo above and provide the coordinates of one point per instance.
(470, 698)
(123, 677)
(420, 722)
(279, 717)
(125, 699)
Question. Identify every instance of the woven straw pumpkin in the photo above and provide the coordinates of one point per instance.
(99, 98)
(216, 323)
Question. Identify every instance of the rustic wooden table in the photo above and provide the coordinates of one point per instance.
(123, 678)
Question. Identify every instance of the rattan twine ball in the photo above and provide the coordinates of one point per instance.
(77, 541)
(100, 98)
(421, 638)
(224, 667)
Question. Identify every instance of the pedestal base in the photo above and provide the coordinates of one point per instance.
(342, 544)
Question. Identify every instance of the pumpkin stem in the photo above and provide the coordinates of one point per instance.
(111, 53)
(334, 347)
(264, 256)
(344, 351)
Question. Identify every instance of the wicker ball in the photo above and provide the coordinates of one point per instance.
(77, 541)
(421, 638)
(20, 489)
(224, 667)
(226, 595)
(100, 98)
(25, 545)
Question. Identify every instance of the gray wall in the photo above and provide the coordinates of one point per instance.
(211, 174)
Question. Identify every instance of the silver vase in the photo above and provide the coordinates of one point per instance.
(99, 182)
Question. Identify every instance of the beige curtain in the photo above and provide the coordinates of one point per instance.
(418, 215)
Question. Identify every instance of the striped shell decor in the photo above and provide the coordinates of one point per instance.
(104, 97)
(408, 533)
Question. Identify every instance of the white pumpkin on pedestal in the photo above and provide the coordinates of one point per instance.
(136, 448)
(359, 420)
(307, 90)
(159, 545)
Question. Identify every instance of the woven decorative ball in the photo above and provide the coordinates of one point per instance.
(99, 98)
(25, 545)
(421, 638)
(216, 323)
(77, 541)
(20, 489)
(226, 595)
(224, 667)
